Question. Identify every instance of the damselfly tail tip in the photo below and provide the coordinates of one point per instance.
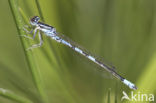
(129, 84)
(135, 88)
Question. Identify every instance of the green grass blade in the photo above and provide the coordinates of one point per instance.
(13, 96)
(29, 56)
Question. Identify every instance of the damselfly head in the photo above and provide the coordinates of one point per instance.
(34, 20)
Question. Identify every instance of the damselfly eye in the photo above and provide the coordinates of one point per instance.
(34, 20)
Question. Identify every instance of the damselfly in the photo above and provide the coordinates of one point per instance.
(51, 32)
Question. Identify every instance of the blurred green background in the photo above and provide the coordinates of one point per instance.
(122, 32)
